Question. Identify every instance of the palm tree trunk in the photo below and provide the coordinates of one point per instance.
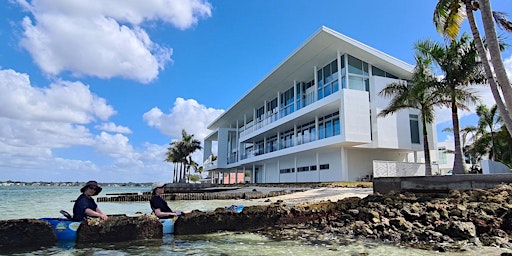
(458, 162)
(428, 164)
(507, 118)
(494, 49)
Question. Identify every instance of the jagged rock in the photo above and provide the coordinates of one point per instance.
(119, 229)
(251, 218)
(26, 234)
(458, 229)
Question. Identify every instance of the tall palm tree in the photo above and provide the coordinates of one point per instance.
(489, 123)
(186, 147)
(460, 67)
(421, 94)
(448, 17)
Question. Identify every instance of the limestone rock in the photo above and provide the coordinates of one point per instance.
(26, 234)
(119, 229)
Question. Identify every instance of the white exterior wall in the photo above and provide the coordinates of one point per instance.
(331, 157)
(392, 132)
(355, 116)
(363, 137)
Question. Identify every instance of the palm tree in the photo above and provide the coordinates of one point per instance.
(461, 68)
(448, 16)
(186, 147)
(489, 123)
(421, 94)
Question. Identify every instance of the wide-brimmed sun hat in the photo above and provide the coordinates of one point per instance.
(92, 183)
(157, 185)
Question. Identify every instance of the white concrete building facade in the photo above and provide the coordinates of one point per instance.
(314, 117)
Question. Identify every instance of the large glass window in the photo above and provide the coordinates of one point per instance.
(272, 144)
(272, 110)
(328, 79)
(329, 125)
(287, 102)
(379, 72)
(358, 78)
(415, 129)
(286, 139)
(305, 93)
(260, 149)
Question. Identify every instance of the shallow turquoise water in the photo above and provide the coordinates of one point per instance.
(38, 202)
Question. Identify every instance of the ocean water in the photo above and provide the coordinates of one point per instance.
(17, 202)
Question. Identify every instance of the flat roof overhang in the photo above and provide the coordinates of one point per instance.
(316, 51)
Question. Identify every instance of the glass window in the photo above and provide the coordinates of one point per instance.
(337, 128)
(415, 129)
(356, 83)
(321, 131)
(378, 72)
(355, 65)
(327, 74)
(320, 77)
(328, 129)
(334, 69)
(327, 91)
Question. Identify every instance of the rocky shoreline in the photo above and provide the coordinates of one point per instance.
(439, 222)
(450, 222)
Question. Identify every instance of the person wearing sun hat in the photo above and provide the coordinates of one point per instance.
(85, 206)
(158, 204)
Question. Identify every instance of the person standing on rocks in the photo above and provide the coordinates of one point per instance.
(158, 204)
(85, 206)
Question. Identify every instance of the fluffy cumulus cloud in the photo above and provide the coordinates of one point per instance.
(104, 39)
(185, 114)
(38, 126)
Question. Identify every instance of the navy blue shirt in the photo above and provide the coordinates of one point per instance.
(157, 202)
(81, 204)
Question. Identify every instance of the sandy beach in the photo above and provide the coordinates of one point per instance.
(305, 194)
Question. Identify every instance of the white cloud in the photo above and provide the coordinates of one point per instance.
(185, 114)
(61, 102)
(104, 39)
(111, 127)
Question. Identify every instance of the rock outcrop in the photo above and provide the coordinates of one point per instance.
(25, 234)
(119, 229)
(432, 221)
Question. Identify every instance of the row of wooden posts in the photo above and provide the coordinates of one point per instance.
(134, 197)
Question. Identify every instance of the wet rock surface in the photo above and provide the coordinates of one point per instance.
(119, 229)
(25, 234)
(441, 222)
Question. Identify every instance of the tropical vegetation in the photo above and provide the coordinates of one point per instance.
(422, 94)
(448, 18)
(180, 154)
(460, 69)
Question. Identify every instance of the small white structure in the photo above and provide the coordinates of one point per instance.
(314, 117)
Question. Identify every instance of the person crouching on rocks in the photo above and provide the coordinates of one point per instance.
(85, 205)
(158, 204)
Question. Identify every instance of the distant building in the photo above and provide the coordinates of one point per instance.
(314, 118)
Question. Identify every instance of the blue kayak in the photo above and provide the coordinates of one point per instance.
(65, 229)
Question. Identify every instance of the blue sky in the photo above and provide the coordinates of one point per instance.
(98, 89)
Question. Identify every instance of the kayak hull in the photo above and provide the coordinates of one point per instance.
(66, 230)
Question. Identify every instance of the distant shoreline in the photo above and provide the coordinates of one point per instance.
(73, 184)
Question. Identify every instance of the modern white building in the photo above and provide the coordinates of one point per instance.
(314, 117)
